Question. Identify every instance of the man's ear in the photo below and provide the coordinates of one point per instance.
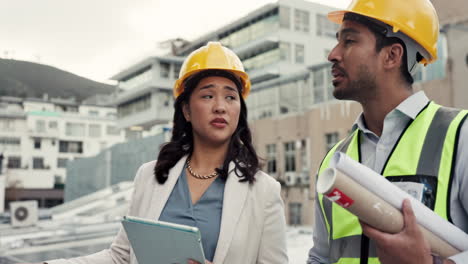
(393, 56)
(186, 111)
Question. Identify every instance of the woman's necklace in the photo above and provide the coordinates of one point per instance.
(198, 176)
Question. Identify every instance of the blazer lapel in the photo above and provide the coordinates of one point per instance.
(161, 192)
(235, 194)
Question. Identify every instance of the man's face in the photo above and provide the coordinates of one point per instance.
(355, 62)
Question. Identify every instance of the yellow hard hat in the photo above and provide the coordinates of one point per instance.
(415, 18)
(213, 56)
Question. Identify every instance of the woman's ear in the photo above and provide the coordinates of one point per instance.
(186, 111)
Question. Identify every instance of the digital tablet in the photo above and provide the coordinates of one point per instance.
(162, 242)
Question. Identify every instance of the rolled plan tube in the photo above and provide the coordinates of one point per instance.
(393, 195)
(372, 209)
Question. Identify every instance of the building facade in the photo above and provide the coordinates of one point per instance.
(293, 114)
(38, 137)
(275, 40)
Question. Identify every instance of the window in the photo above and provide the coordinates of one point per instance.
(290, 156)
(14, 162)
(299, 53)
(136, 105)
(325, 27)
(271, 158)
(53, 125)
(301, 20)
(111, 115)
(318, 81)
(7, 125)
(295, 213)
(304, 155)
(164, 69)
(284, 16)
(112, 130)
(94, 130)
(177, 70)
(71, 147)
(331, 139)
(38, 163)
(285, 51)
(62, 162)
(5, 141)
(93, 113)
(37, 143)
(75, 129)
(40, 126)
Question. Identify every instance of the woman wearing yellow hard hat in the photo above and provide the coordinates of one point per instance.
(236, 206)
(208, 174)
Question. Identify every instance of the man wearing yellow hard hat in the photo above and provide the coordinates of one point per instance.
(400, 134)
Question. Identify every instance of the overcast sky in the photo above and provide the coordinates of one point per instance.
(98, 38)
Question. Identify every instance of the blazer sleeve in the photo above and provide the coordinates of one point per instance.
(119, 251)
(273, 241)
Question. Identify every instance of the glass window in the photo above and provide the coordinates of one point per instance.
(304, 155)
(325, 27)
(14, 162)
(9, 143)
(285, 51)
(38, 163)
(137, 105)
(164, 69)
(271, 158)
(75, 129)
(93, 113)
(284, 17)
(295, 213)
(289, 95)
(53, 125)
(299, 53)
(94, 130)
(7, 125)
(262, 59)
(177, 70)
(136, 79)
(37, 143)
(40, 126)
(330, 140)
(290, 156)
(71, 147)
(318, 81)
(301, 20)
(112, 130)
(62, 162)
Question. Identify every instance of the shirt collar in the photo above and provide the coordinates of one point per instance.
(410, 107)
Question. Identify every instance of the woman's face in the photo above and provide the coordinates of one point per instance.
(213, 110)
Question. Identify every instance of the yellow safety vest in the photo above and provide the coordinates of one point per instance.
(424, 153)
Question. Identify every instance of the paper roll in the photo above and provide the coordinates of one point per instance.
(393, 195)
(372, 209)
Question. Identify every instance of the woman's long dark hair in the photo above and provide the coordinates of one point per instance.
(240, 150)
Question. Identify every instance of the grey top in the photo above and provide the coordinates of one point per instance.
(205, 214)
(375, 152)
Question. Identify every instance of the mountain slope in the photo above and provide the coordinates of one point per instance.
(28, 79)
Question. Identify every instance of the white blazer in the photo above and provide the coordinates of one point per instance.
(253, 226)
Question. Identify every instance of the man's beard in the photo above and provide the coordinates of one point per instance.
(361, 89)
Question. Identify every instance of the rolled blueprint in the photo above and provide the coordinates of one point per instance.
(393, 195)
(371, 209)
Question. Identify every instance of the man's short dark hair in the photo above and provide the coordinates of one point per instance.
(379, 30)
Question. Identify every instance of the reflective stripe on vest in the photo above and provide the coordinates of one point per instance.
(426, 148)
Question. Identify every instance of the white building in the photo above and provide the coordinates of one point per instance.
(39, 136)
(275, 40)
